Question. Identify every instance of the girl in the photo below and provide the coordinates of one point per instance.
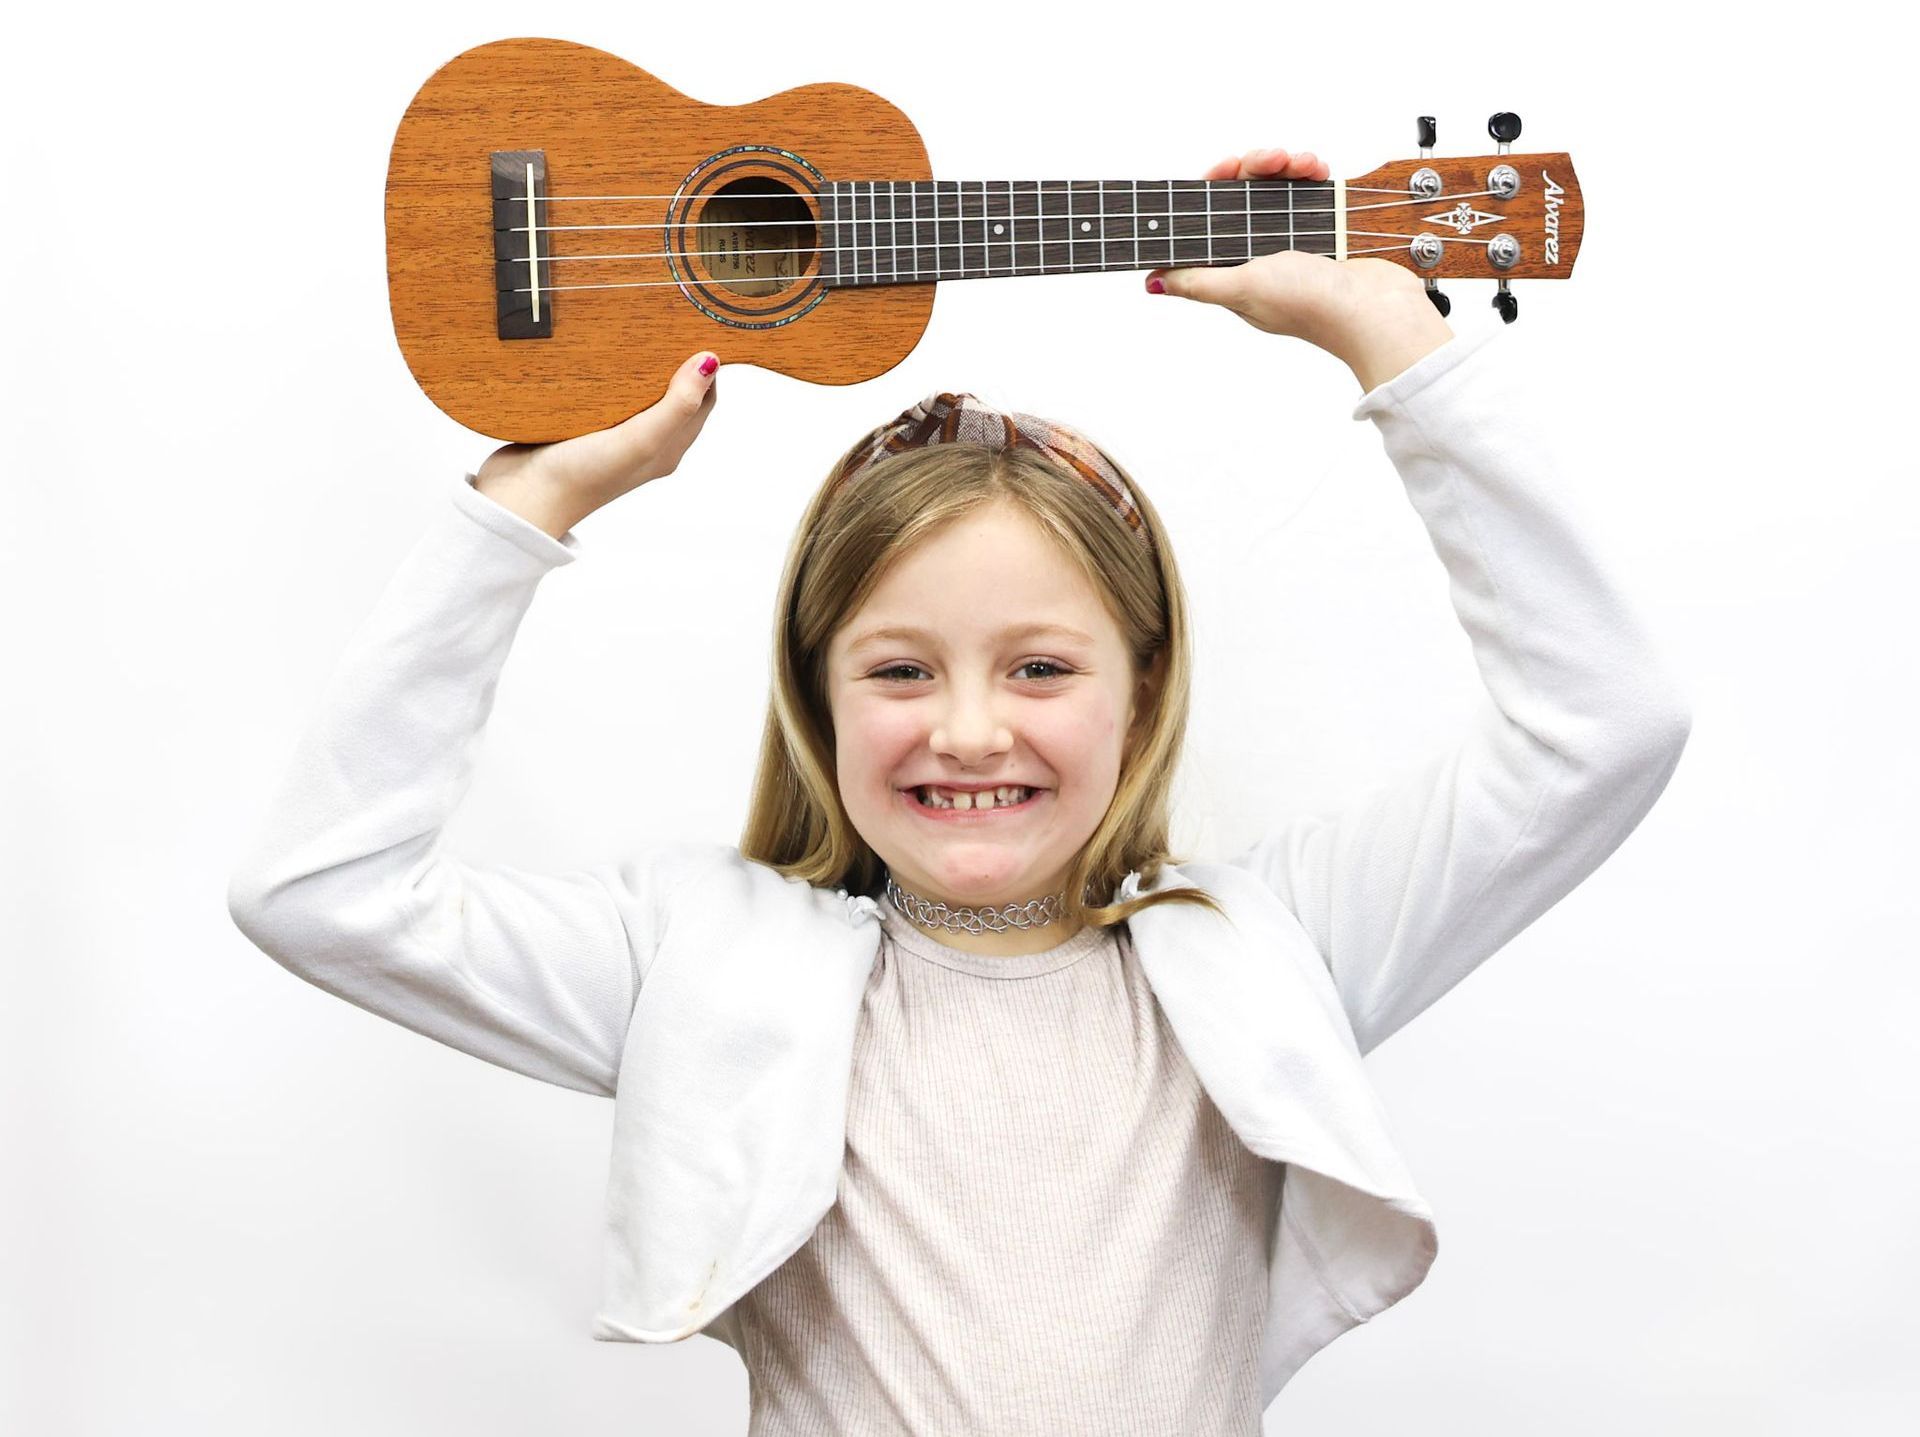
(948, 1099)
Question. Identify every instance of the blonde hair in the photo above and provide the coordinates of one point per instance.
(847, 540)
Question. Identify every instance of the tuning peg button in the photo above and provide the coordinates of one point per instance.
(1440, 301)
(1504, 127)
(1428, 134)
(1505, 302)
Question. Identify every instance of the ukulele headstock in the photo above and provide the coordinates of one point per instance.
(1501, 217)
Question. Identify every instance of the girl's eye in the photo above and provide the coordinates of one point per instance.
(887, 674)
(1059, 670)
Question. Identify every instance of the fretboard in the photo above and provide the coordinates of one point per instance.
(918, 231)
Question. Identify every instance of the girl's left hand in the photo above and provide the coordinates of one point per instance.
(1369, 313)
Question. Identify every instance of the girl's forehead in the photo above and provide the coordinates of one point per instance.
(996, 548)
(861, 635)
(984, 577)
(986, 618)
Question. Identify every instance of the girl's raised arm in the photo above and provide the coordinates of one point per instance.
(346, 883)
(1409, 887)
(1412, 885)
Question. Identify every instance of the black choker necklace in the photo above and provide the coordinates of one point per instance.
(1034, 913)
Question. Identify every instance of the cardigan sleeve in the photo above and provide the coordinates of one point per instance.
(1416, 881)
(347, 883)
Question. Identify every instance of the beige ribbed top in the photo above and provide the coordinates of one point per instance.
(1043, 1223)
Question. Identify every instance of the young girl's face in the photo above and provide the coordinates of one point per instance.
(1002, 666)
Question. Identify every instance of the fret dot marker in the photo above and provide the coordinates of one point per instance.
(1085, 225)
(999, 229)
(1153, 224)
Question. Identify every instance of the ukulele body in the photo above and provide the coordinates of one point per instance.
(728, 251)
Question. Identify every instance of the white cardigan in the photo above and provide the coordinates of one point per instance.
(716, 1001)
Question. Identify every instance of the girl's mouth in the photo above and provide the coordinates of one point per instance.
(912, 798)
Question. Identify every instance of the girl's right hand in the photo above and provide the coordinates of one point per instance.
(557, 485)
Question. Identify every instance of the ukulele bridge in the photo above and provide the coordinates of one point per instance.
(523, 295)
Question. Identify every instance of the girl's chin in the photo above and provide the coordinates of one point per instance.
(998, 895)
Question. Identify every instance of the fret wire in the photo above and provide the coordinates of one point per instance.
(985, 259)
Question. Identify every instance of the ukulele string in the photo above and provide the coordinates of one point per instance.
(1193, 187)
(1402, 200)
(851, 282)
(986, 271)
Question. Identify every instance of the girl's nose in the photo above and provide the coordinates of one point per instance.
(971, 734)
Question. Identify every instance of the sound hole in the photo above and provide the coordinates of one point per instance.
(755, 236)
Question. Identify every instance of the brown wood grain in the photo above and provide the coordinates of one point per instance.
(609, 128)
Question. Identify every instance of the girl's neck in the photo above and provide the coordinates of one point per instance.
(1003, 930)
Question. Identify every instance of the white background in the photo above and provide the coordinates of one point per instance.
(1668, 1132)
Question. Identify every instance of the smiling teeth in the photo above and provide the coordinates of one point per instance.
(988, 798)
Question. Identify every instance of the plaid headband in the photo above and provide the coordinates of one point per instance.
(961, 418)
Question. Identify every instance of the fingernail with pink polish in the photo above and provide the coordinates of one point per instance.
(1155, 287)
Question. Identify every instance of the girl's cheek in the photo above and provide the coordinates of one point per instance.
(886, 729)
(1076, 734)
(875, 742)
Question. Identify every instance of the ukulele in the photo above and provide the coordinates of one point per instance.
(563, 229)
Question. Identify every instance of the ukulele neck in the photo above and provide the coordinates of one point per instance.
(921, 231)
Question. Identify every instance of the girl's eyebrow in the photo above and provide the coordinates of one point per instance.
(1012, 631)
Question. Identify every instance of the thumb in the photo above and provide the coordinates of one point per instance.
(688, 400)
(651, 443)
(675, 419)
(693, 383)
(1221, 286)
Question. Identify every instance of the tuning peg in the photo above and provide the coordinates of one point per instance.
(1504, 127)
(1440, 301)
(1505, 302)
(1428, 134)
